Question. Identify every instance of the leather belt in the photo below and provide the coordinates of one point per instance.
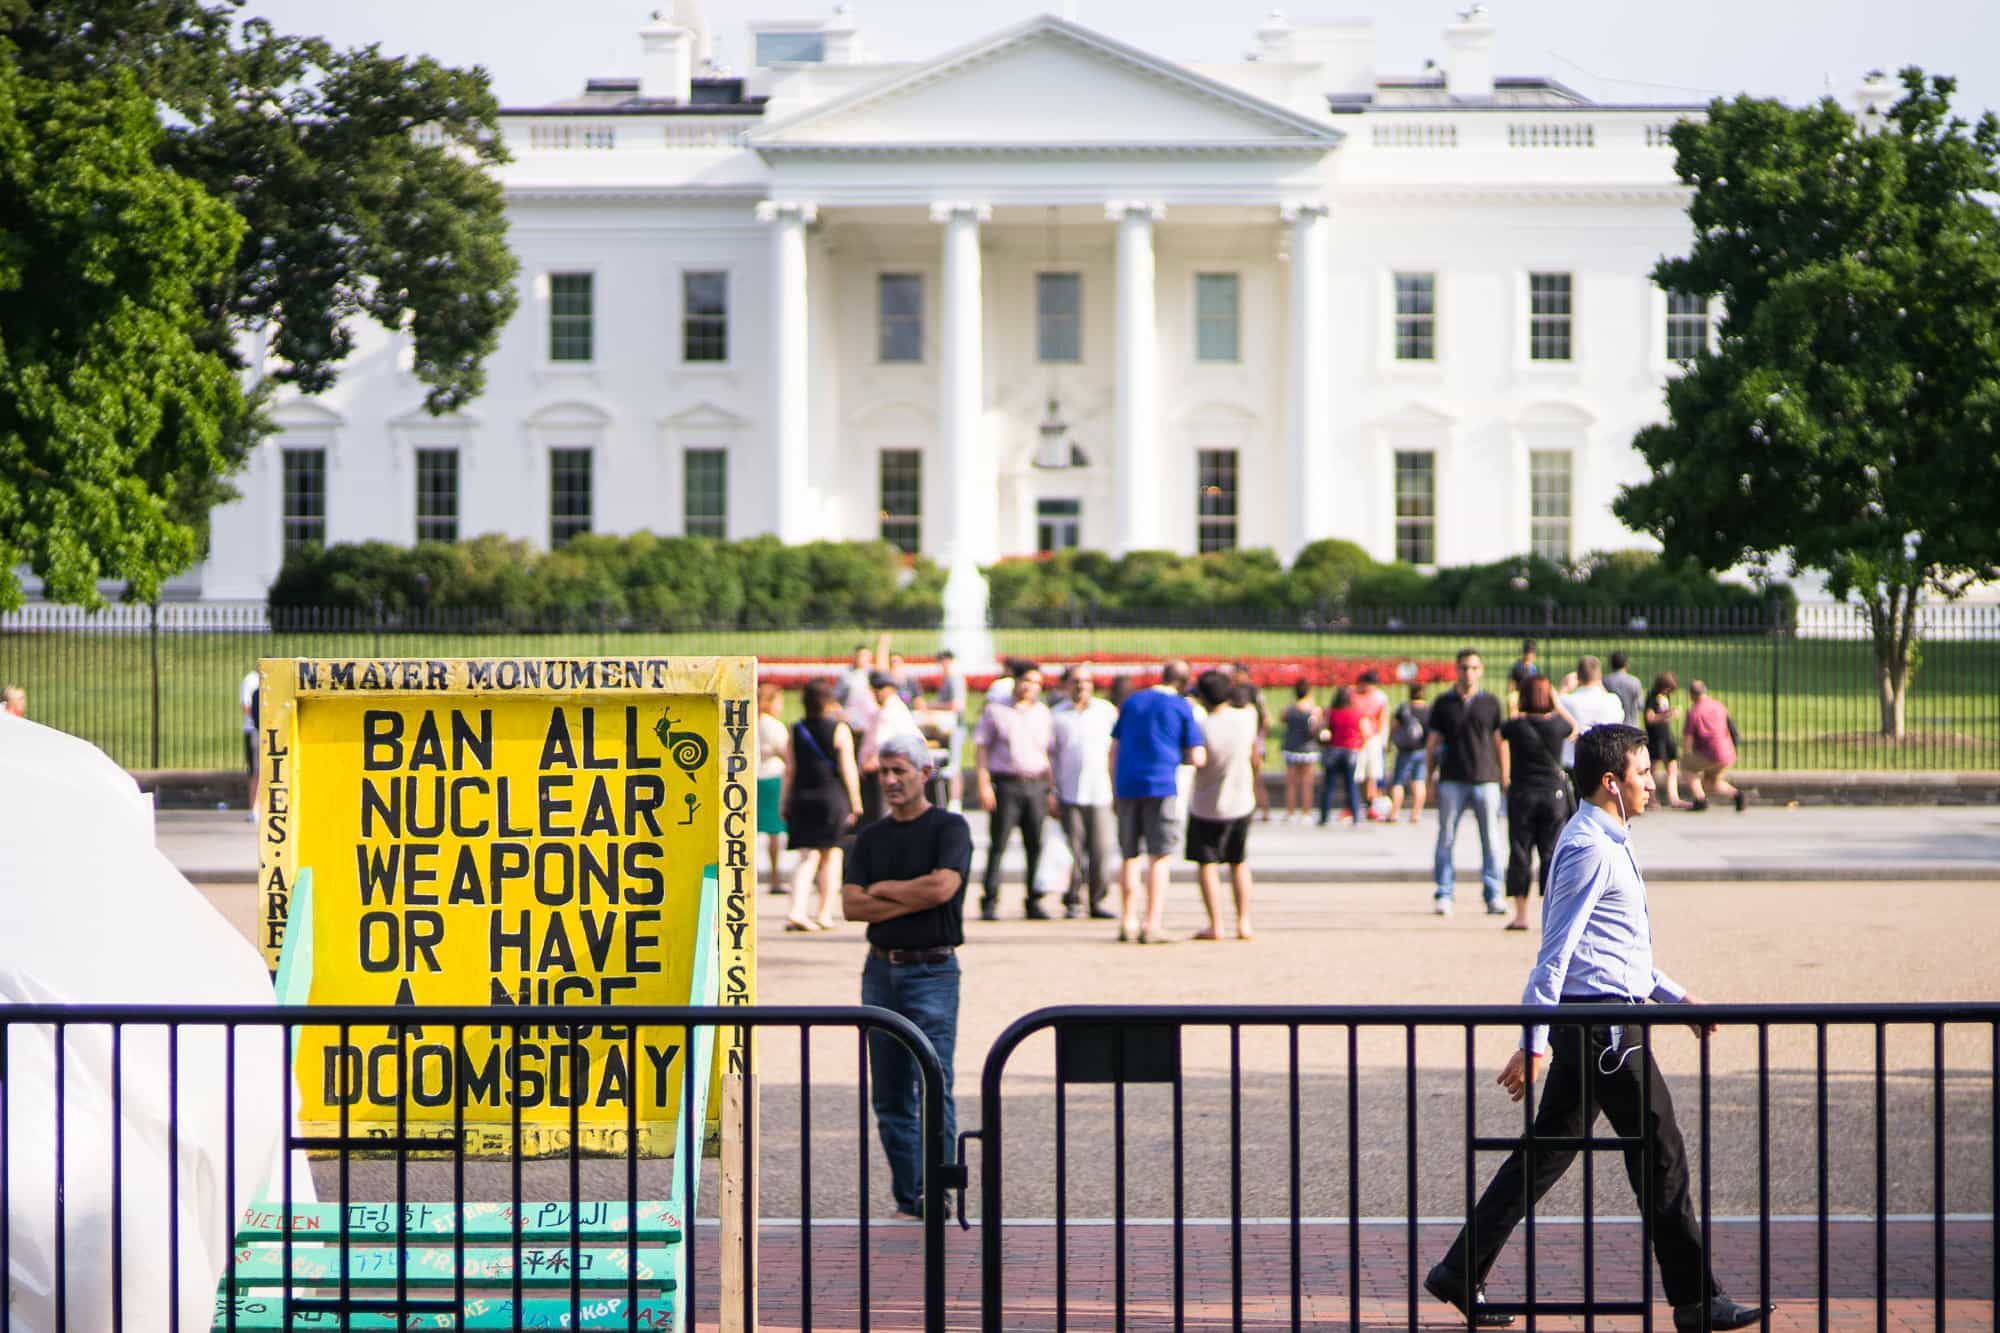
(900, 957)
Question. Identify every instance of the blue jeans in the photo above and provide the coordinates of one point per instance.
(927, 995)
(1453, 798)
(1339, 764)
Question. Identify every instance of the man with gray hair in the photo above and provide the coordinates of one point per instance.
(906, 879)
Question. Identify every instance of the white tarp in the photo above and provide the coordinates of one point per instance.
(92, 913)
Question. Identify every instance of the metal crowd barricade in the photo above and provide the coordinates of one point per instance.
(91, 1237)
(1128, 1048)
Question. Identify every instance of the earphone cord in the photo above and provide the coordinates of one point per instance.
(1613, 1049)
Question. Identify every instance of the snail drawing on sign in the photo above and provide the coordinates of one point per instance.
(688, 748)
(693, 804)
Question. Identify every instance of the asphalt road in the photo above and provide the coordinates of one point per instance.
(1769, 942)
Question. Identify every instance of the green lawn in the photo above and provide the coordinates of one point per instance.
(1804, 703)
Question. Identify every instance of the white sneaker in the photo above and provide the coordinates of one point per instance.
(1441, 906)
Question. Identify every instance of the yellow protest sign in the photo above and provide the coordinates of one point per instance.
(509, 831)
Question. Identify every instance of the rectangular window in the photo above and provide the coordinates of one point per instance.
(1217, 316)
(437, 495)
(1549, 504)
(899, 305)
(1215, 500)
(705, 493)
(903, 499)
(569, 494)
(1416, 508)
(704, 316)
(1549, 314)
(1416, 316)
(1059, 317)
(1058, 525)
(572, 303)
(1687, 326)
(305, 498)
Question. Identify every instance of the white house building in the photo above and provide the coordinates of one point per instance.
(1045, 290)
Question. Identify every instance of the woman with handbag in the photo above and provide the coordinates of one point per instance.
(1539, 799)
(820, 796)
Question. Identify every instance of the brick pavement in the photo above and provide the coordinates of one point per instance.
(894, 1297)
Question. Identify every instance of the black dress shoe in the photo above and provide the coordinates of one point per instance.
(1722, 1313)
(1103, 914)
(1450, 1288)
(989, 911)
(1034, 911)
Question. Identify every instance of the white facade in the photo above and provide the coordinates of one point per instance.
(1044, 149)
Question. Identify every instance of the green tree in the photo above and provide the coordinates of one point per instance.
(1850, 421)
(114, 403)
(363, 183)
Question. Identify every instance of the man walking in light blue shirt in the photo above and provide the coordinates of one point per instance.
(1597, 948)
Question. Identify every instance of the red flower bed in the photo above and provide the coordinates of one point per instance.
(1270, 673)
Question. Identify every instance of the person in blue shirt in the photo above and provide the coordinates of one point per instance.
(1597, 948)
(1155, 734)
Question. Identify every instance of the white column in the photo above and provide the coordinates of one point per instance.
(968, 535)
(1309, 379)
(791, 519)
(1137, 386)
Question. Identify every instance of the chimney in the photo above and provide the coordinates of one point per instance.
(1468, 58)
(1872, 100)
(666, 67)
(1344, 51)
(842, 35)
(1274, 37)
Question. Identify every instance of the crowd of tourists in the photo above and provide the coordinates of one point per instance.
(1133, 777)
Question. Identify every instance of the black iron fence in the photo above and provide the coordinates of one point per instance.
(157, 687)
(151, 1177)
(1253, 1166)
(1294, 1166)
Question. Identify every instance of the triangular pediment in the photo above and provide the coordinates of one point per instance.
(1049, 84)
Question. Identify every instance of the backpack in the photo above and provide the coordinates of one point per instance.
(1409, 729)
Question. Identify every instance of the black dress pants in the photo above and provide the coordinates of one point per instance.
(1535, 820)
(1017, 802)
(1676, 1233)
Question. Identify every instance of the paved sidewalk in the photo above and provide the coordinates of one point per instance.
(1090, 1289)
(1806, 843)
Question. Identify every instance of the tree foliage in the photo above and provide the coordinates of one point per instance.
(1850, 421)
(362, 183)
(115, 407)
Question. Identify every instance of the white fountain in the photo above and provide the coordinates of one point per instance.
(965, 629)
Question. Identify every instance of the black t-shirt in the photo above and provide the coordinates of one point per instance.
(891, 848)
(1535, 746)
(1470, 731)
(1521, 673)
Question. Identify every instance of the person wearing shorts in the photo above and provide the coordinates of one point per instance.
(1408, 730)
(1155, 734)
(1301, 723)
(1372, 767)
(1223, 800)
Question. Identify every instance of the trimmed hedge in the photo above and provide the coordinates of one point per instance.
(657, 582)
(690, 582)
(1332, 577)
